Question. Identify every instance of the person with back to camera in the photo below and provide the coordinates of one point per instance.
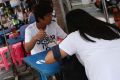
(95, 43)
(43, 33)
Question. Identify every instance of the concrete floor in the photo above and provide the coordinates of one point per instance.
(90, 8)
(22, 72)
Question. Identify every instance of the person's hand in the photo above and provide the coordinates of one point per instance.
(40, 35)
(15, 34)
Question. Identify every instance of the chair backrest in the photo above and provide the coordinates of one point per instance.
(22, 31)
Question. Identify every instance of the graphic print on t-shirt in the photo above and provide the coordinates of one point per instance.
(46, 41)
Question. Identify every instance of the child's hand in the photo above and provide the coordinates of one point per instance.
(40, 35)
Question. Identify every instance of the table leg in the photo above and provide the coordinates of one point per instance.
(43, 76)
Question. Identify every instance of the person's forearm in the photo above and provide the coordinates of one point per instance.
(29, 46)
(50, 57)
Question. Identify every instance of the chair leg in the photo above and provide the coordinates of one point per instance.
(59, 76)
(43, 76)
(50, 78)
(5, 62)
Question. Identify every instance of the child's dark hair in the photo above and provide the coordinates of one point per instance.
(41, 9)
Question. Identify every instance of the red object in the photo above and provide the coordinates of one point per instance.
(5, 61)
(18, 53)
(59, 40)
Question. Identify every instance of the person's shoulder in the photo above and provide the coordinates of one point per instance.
(52, 24)
(73, 34)
(32, 25)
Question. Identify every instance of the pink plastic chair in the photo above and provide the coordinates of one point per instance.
(5, 62)
(18, 53)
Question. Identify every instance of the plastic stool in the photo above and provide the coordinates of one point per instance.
(4, 60)
(18, 53)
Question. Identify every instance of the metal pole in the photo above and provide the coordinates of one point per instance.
(105, 11)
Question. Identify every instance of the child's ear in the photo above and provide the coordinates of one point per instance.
(40, 20)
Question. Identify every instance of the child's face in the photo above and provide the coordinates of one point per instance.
(48, 18)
